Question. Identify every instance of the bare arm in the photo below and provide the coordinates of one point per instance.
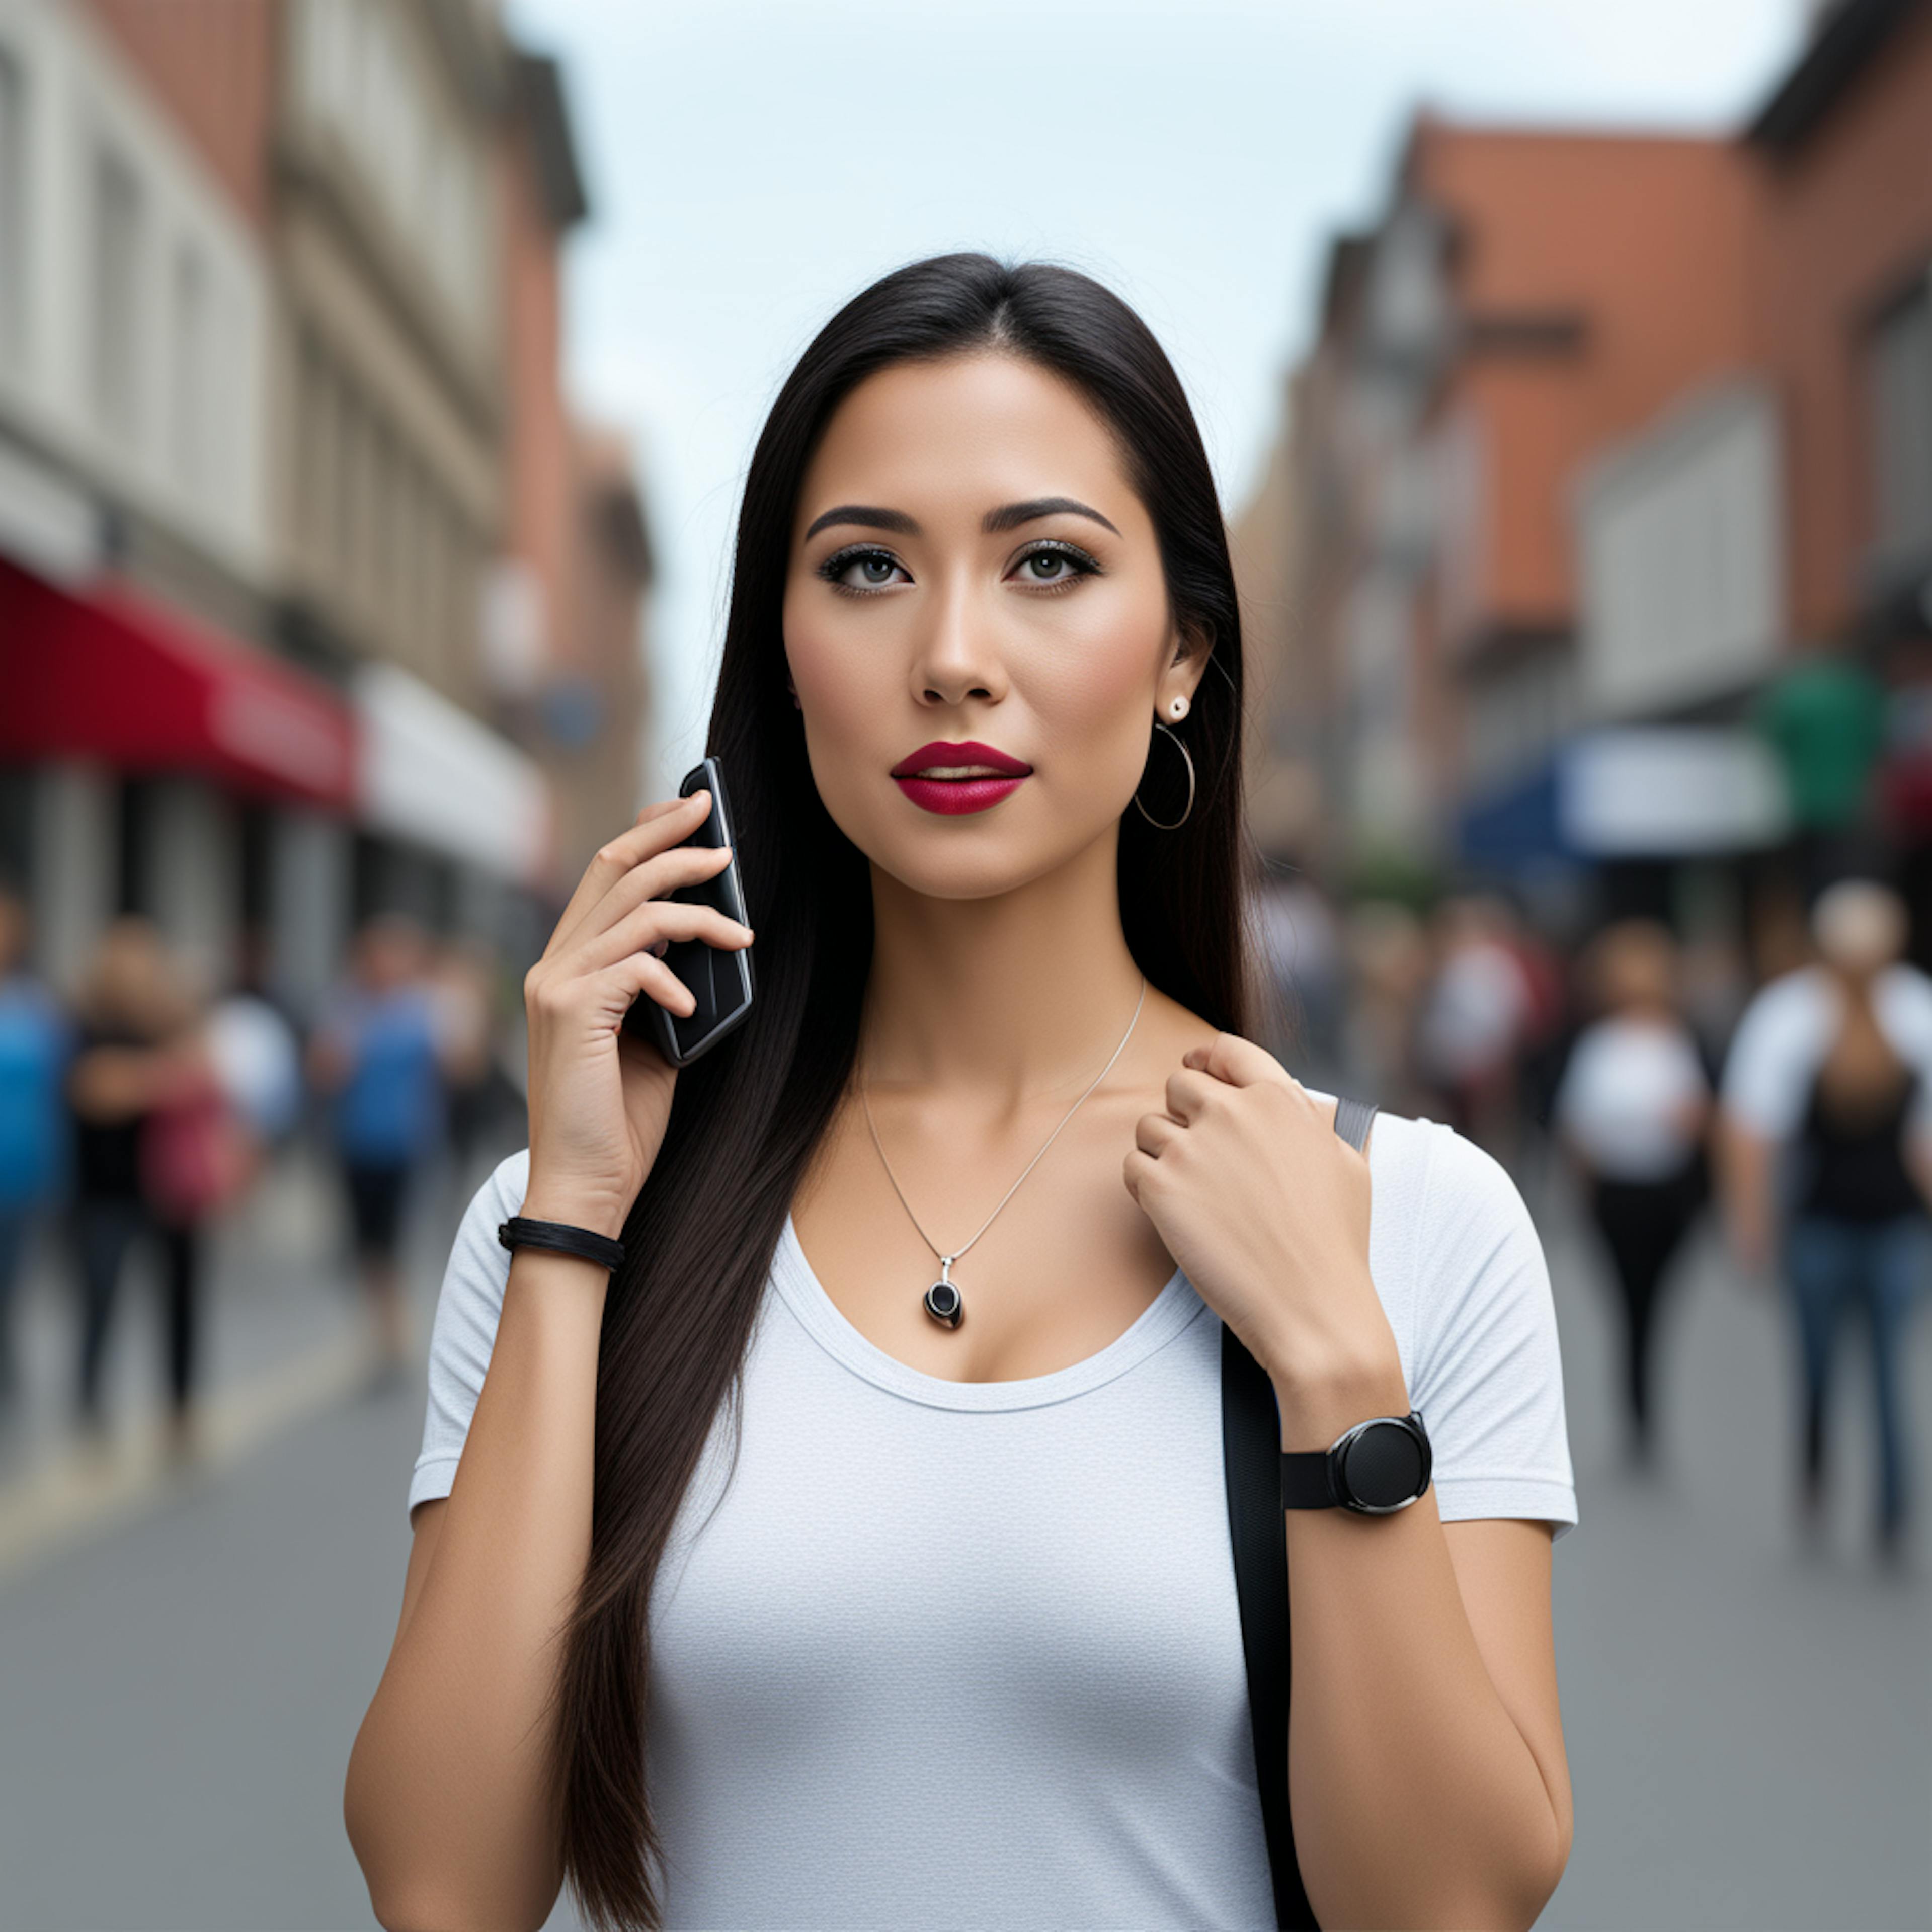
(112, 1084)
(443, 1781)
(452, 1799)
(1426, 1773)
(1426, 1770)
(1918, 1164)
(1745, 1163)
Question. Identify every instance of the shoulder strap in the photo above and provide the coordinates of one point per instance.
(1251, 1460)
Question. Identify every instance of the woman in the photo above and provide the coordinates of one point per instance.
(935, 1623)
(153, 1155)
(1832, 1063)
(1631, 1111)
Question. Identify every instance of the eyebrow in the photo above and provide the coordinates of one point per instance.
(1008, 517)
(871, 518)
(1012, 515)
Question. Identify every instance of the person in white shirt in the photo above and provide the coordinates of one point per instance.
(1830, 1068)
(758, 1577)
(1631, 1111)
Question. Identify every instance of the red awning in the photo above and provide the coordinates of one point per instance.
(110, 673)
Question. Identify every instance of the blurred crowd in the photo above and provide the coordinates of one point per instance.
(1663, 1084)
(145, 1111)
(1651, 1076)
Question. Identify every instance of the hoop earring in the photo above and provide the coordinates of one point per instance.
(1156, 823)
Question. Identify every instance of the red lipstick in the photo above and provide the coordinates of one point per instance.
(970, 776)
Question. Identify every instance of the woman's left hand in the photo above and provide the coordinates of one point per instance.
(1266, 1209)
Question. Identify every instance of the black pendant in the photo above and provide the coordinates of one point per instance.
(944, 1304)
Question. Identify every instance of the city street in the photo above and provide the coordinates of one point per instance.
(1750, 1730)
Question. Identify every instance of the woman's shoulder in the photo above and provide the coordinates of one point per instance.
(1426, 1174)
(1446, 1214)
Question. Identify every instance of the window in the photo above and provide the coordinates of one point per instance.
(116, 305)
(193, 400)
(13, 211)
(1901, 397)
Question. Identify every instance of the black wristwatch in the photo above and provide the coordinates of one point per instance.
(1375, 1468)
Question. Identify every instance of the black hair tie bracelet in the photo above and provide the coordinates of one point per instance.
(583, 1243)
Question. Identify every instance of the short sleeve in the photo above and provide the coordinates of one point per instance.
(465, 1330)
(1489, 1379)
(1904, 1002)
(1774, 1054)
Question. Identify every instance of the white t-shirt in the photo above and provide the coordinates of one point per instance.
(1620, 1094)
(948, 1654)
(1788, 1030)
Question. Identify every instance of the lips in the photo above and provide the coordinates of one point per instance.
(946, 777)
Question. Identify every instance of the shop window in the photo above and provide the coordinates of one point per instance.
(16, 828)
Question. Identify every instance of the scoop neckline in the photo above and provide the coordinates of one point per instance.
(1172, 1310)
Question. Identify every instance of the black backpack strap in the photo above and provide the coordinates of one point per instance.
(1251, 1459)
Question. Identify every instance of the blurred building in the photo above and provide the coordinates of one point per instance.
(562, 645)
(136, 549)
(1609, 449)
(269, 374)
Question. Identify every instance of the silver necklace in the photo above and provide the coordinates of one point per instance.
(943, 1299)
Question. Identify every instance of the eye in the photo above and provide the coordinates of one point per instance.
(861, 568)
(1050, 566)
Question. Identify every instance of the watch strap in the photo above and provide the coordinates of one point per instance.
(1312, 1478)
(1306, 1480)
(560, 1237)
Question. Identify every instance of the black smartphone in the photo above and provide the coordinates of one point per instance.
(720, 980)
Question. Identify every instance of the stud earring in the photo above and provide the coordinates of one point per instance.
(1178, 709)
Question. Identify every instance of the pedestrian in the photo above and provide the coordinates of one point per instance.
(958, 1641)
(258, 1054)
(377, 1052)
(1832, 1066)
(35, 1043)
(1476, 1014)
(463, 983)
(155, 1156)
(1632, 1110)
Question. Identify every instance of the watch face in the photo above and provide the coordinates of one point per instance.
(1384, 1467)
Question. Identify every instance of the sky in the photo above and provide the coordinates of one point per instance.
(750, 165)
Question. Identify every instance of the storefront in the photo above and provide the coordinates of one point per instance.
(150, 764)
(139, 742)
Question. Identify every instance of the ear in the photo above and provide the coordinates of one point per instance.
(1193, 644)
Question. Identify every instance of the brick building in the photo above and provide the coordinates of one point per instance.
(1599, 436)
(1499, 324)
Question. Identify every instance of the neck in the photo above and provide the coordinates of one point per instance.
(1024, 992)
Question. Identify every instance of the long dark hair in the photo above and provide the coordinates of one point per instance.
(702, 1233)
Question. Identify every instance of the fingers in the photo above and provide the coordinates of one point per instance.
(1137, 1170)
(656, 922)
(659, 827)
(1240, 1062)
(1155, 1133)
(655, 878)
(1189, 1094)
(642, 975)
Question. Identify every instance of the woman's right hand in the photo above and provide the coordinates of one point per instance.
(599, 1098)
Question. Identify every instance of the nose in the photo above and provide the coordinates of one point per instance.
(956, 656)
